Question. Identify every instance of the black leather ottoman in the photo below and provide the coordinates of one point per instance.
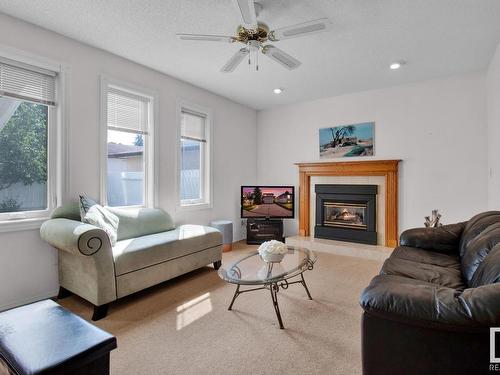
(45, 338)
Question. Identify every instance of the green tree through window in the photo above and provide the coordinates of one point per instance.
(23, 146)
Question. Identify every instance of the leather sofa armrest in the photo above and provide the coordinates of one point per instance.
(74, 237)
(409, 299)
(443, 239)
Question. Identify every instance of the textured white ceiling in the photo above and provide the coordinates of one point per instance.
(436, 37)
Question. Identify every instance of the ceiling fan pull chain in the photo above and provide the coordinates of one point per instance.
(257, 60)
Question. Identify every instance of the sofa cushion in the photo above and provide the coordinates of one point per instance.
(443, 239)
(450, 277)
(488, 272)
(67, 211)
(414, 299)
(426, 256)
(141, 252)
(475, 226)
(141, 221)
(478, 249)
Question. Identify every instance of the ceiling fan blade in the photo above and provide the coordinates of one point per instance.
(247, 11)
(281, 57)
(206, 38)
(234, 61)
(301, 29)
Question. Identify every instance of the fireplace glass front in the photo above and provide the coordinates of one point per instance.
(345, 215)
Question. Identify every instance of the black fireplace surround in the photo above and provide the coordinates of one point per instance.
(346, 213)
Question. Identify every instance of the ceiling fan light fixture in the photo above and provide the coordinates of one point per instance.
(254, 35)
(278, 90)
(396, 65)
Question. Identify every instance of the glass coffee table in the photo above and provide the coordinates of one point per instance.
(251, 270)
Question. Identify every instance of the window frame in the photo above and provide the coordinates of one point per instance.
(207, 158)
(57, 145)
(150, 141)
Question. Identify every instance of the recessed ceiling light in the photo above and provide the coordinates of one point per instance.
(279, 90)
(397, 65)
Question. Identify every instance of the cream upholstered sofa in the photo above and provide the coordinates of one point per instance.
(149, 250)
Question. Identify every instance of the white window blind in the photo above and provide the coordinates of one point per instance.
(127, 111)
(26, 82)
(193, 126)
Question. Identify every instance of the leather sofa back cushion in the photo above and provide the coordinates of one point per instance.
(142, 221)
(480, 236)
(488, 271)
(475, 226)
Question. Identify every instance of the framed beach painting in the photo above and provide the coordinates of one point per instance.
(347, 141)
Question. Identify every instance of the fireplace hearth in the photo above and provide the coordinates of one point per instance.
(346, 213)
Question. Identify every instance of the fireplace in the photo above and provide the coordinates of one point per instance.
(346, 213)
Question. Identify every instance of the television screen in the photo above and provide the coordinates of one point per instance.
(267, 201)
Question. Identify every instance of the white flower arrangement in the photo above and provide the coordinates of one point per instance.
(272, 251)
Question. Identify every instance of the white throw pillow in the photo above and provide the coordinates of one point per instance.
(106, 220)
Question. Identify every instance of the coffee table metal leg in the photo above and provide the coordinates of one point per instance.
(236, 294)
(303, 282)
(274, 290)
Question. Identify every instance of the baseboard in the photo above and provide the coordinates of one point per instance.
(28, 300)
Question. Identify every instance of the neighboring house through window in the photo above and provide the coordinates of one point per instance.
(128, 178)
(28, 142)
(194, 164)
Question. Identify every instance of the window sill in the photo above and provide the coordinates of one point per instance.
(194, 207)
(21, 224)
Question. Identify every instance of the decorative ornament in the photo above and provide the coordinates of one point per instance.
(433, 220)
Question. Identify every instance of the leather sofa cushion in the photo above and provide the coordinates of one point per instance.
(445, 239)
(450, 277)
(410, 299)
(426, 256)
(475, 226)
(141, 252)
(478, 248)
(488, 272)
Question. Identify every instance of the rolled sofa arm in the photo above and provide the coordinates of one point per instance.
(409, 299)
(73, 236)
(442, 239)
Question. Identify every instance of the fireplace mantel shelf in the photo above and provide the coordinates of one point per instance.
(386, 168)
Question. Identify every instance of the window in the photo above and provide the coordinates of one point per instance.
(194, 166)
(28, 147)
(128, 166)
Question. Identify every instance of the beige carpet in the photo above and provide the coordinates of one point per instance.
(183, 326)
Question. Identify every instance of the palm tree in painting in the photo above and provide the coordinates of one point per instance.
(339, 133)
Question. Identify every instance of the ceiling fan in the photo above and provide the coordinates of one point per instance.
(255, 36)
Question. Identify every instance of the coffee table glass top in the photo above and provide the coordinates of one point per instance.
(252, 270)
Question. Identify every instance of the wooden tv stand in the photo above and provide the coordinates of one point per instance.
(261, 230)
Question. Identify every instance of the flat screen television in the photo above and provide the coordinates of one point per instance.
(271, 202)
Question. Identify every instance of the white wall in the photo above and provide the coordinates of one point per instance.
(493, 89)
(438, 129)
(28, 267)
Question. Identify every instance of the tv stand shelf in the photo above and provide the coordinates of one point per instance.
(261, 230)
